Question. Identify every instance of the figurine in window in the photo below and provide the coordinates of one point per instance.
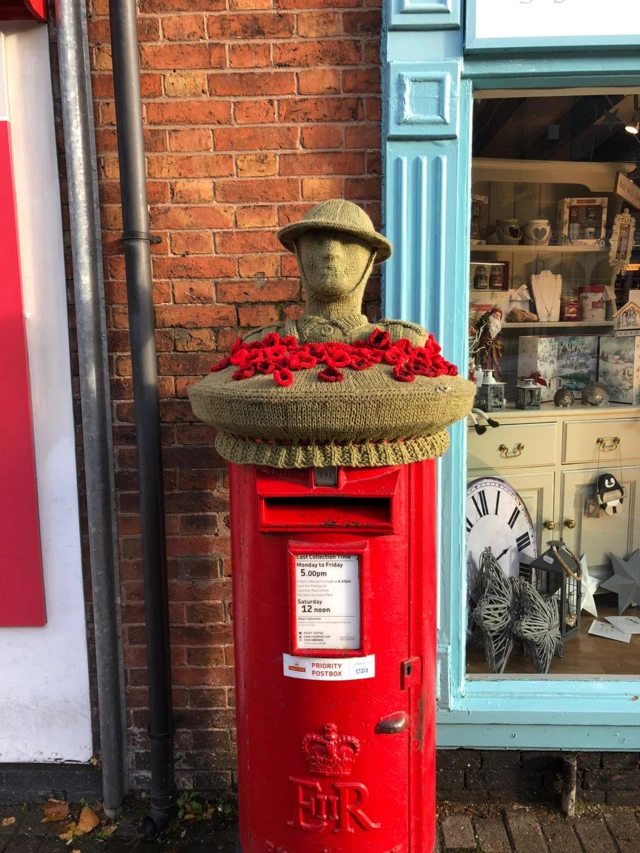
(610, 494)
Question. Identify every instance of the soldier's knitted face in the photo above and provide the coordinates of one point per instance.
(332, 264)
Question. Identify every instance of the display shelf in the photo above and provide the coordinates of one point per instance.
(560, 324)
(597, 177)
(550, 410)
(497, 248)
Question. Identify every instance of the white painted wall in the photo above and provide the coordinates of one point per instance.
(45, 710)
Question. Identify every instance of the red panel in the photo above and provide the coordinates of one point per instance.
(21, 585)
(23, 10)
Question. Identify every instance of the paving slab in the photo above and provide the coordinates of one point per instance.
(492, 835)
(526, 835)
(25, 844)
(458, 834)
(594, 836)
(625, 829)
(561, 837)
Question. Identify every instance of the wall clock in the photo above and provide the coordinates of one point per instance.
(497, 516)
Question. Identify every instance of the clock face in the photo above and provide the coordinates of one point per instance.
(497, 517)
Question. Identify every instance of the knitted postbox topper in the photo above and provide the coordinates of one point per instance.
(332, 388)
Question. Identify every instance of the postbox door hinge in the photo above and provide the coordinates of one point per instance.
(411, 672)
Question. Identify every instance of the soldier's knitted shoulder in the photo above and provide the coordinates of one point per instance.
(257, 334)
(401, 329)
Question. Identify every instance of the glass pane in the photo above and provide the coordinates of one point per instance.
(554, 444)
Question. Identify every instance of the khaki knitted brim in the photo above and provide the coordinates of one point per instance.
(244, 451)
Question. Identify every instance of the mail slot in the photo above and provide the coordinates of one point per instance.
(322, 512)
(334, 619)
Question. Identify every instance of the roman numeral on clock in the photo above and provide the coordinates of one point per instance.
(525, 571)
(482, 507)
(515, 515)
(469, 525)
(523, 541)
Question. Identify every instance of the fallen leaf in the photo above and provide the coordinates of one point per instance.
(189, 816)
(8, 821)
(109, 830)
(69, 830)
(75, 851)
(87, 821)
(55, 810)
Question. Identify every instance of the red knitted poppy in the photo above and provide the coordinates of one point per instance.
(284, 356)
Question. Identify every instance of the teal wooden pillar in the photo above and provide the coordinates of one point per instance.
(428, 96)
(427, 173)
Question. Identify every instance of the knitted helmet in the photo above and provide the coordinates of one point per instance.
(337, 215)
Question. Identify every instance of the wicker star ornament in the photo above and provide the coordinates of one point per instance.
(539, 628)
(494, 612)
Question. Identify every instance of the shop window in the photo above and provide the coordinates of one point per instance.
(553, 565)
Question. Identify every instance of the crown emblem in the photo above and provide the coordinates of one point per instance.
(330, 754)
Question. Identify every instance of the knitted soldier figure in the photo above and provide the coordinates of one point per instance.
(332, 388)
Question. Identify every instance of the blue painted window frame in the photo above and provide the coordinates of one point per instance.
(427, 281)
(540, 43)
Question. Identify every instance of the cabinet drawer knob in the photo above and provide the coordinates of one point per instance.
(570, 523)
(510, 454)
(550, 525)
(608, 444)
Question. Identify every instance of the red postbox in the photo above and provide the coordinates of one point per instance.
(334, 591)
(334, 585)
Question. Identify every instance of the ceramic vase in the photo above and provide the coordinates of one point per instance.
(537, 232)
(508, 232)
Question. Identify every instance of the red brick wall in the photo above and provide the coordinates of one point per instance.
(254, 110)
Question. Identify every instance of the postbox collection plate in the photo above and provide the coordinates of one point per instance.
(327, 587)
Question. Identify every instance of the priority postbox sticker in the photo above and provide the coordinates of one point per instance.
(329, 669)
(327, 601)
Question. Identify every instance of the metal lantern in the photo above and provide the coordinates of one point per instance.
(557, 574)
(528, 394)
(490, 398)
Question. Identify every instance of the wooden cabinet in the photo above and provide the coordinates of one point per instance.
(553, 458)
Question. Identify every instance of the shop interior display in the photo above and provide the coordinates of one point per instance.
(554, 345)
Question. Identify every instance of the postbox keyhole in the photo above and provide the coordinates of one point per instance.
(411, 672)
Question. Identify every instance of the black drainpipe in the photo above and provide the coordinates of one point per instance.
(136, 237)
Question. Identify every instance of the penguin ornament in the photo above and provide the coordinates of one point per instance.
(610, 494)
